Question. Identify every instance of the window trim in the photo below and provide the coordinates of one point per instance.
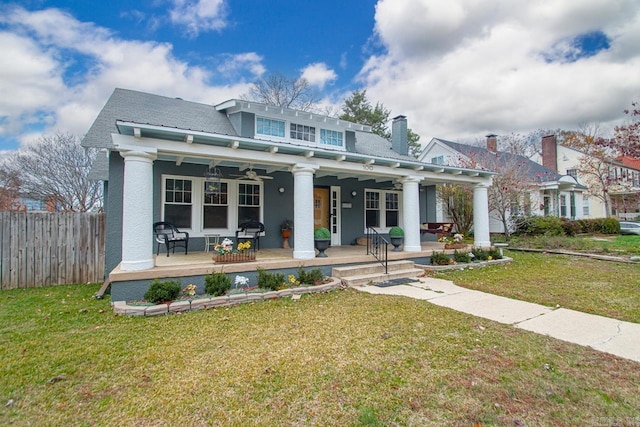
(268, 136)
(383, 228)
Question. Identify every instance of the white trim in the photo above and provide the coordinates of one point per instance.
(335, 219)
(382, 228)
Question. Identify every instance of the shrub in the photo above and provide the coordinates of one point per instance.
(396, 232)
(462, 257)
(494, 253)
(217, 284)
(309, 277)
(538, 225)
(571, 228)
(321, 233)
(600, 225)
(480, 254)
(167, 290)
(440, 258)
(270, 280)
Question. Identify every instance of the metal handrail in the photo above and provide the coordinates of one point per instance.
(375, 245)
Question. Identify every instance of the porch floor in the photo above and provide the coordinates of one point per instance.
(201, 263)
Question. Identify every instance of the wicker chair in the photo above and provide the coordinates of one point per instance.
(168, 234)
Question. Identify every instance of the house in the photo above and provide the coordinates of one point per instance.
(550, 193)
(621, 174)
(271, 164)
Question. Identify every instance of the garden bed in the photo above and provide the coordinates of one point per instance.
(234, 298)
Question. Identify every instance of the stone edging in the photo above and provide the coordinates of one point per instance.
(479, 264)
(121, 307)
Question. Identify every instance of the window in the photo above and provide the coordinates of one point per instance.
(392, 209)
(372, 209)
(248, 202)
(270, 127)
(215, 210)
(563, 206)
(438, 160)
(573, 173)
(331, 137)
(303, 133)
(382, 215)
(585, 206)
(178, 202)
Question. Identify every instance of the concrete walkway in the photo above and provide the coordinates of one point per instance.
(600, 333)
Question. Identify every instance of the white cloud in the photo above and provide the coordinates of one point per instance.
(40, 47)
(318, 74)
(199, 15)
(461, 68)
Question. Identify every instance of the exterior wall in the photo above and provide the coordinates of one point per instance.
(243, 123)
(451, 157)
(113, 207)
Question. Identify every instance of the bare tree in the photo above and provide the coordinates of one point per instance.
(627, 136)
(277, 89)
(458, 201)
(9, 191)
(56, 168)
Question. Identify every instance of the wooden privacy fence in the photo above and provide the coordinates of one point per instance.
(42, 249)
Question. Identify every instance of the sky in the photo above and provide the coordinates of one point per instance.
(458, 69)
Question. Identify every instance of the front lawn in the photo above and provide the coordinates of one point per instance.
(606, 288)
(342, 358)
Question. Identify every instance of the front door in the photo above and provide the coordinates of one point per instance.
(321, 207)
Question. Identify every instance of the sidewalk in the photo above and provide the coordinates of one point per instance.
(600, 333)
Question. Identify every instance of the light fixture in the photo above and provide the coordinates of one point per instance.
(354, 193)
(281, 189)
(212, 177)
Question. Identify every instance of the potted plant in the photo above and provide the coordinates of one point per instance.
(285, 229)
(322, 239)
(396, 235)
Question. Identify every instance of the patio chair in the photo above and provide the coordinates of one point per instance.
(251, 231)
(168, 234)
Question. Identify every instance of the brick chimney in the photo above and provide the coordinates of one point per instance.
(400, 135)
(492, 143)
(550, 152)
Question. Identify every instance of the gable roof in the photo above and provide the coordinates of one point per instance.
(145, 108)
(629, 161)
(535, 171)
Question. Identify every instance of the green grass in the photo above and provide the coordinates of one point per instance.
(606, 288)
(606, 244)
(343, 358)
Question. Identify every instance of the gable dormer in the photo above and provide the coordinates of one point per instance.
(285, 125)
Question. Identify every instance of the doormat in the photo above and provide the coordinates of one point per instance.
(395, 282)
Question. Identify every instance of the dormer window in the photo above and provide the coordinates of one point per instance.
(303, 133)
(331, 137)
(269, 127)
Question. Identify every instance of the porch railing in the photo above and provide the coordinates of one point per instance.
(378, 247)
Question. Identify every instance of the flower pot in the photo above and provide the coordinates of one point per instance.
(322, 245)
(285, 239)
(455, 245)
(396, 242)
(237, 257)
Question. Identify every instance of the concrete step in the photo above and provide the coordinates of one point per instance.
(365, 279)
(374, 268)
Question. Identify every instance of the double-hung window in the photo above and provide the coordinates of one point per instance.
(302, 132)
(269, 127)
(382, 208)
(178, 202)
(215, 209)
(249, 202)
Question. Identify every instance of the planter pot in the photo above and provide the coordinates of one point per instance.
(321, 246)
(285, 239)
(455, 245)
(240, 257)
(396, 242)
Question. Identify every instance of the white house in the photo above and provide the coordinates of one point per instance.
(551, 193)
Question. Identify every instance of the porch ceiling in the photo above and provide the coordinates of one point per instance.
(187, 146)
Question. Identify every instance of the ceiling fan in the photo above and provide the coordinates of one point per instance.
(252, 175)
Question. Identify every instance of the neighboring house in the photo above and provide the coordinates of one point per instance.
(276, 164)
(549, 192)
(624, 175)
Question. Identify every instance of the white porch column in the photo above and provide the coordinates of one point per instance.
(303, 247)
(411, 213)
(137, 211)
(481, 216)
